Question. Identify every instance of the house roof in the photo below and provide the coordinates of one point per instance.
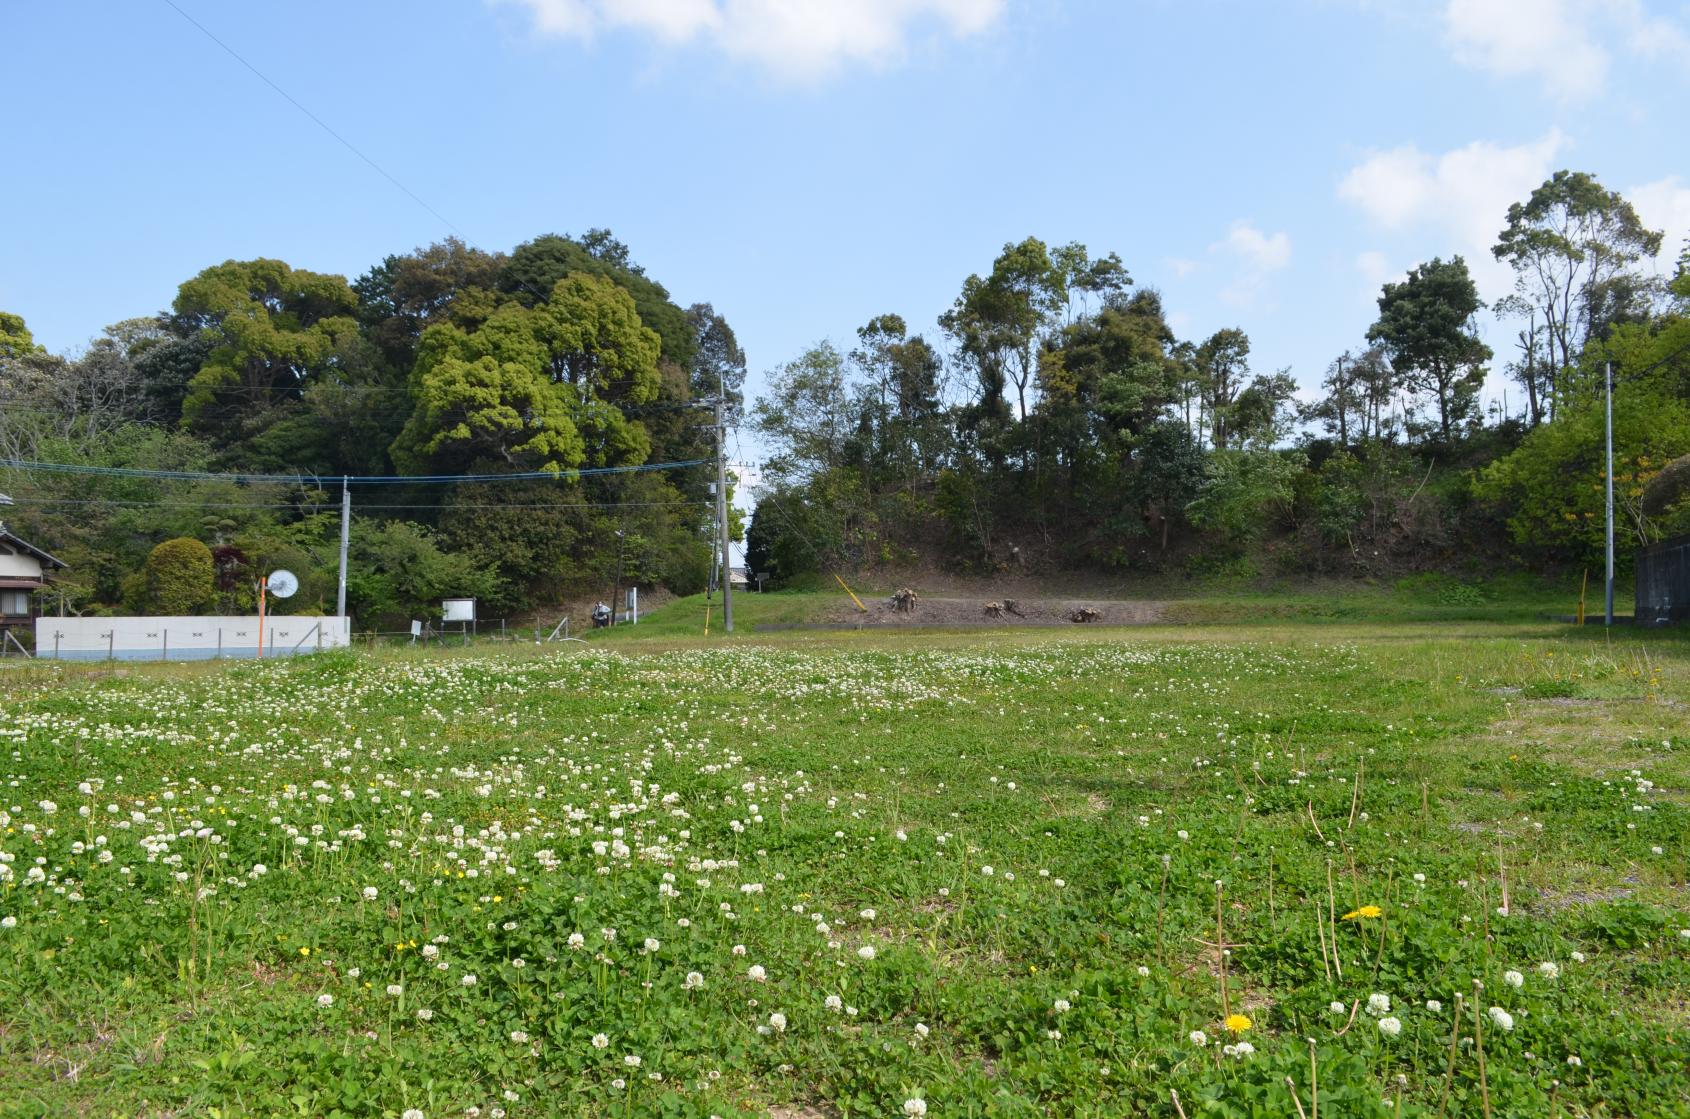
(24, 545)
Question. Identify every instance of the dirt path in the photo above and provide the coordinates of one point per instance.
(971, 612)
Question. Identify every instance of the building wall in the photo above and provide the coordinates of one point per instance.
(186, 638)
(18, 566)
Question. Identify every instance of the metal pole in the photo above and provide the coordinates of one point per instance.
(722, 516)
(1608, 378)
(345, 536)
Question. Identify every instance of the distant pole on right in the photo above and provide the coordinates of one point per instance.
(1608, 381)
(722, 515)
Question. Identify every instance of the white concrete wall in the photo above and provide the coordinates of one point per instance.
(185, 638)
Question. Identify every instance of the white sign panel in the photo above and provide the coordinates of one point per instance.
(457, 610)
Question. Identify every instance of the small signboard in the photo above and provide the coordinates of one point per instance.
(457, 610)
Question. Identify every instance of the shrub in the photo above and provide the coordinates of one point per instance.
(179, 578)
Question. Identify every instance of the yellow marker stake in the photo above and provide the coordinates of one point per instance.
(707, 619)
(852, 593)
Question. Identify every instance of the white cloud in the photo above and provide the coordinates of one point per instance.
(1461, 195)
(1546, 39)
(1256, 255)
(1665, 205)
(1182, 267)
(794, 39)
(1568, 45)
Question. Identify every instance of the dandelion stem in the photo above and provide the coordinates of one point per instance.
(1174, 1092)
(1314, 1083)
(1292, 1084)
(1479, 1045)
(1320, 930)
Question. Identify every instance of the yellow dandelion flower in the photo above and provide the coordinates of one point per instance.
(1366, 912)
(305, 951)
(1238, 1023)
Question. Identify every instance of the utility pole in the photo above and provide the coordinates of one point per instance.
(722, 515)
(1608, 381)
(345, 538)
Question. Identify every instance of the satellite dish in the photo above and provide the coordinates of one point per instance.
(282, 583)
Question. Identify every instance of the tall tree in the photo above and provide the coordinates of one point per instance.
(1571, 245)
(1426, 323)
(1223, 365)
(270, 329)
(536, 388)
(15, 338)
(998, 321)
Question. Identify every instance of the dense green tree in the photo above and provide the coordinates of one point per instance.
(533, 270)
(271, 329)
(1426, 324)
(179, 578)
(15, 338)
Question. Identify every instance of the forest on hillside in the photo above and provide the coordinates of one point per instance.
(1051, 420)
(1056, 421)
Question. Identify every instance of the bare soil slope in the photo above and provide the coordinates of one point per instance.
(971, 611)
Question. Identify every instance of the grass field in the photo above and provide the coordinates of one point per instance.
(1396, 868)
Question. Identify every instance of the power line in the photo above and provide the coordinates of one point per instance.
(325, 504)
(349, 479)
(318, 121)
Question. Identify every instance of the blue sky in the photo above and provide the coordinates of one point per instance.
(807, 164)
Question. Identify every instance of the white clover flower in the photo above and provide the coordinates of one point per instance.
(8, 922)
(1390, 1027)
(425, 1015)
(756, 974)
(412, 1113)
(1573, 1061)
(921, 1029)
(325, 1000)
(430, 951)
(1183, 834)
(1434, 1006)
(1054, 1035)
(601, 1041)
(1061, 1006)
(739, 949)
(520, 1037)
(915, 1108)
(987, 871)
(394, 990)
(1378, 1004)
(694, 981)
(1576, 957)
(632, 1060)
(778, 1021)
(1504, 1020)
(1335, 1007)
(1514, 979)
(652, 944)
(866, 952)
(1143, 972)
(1549, 969)
(468, 980)
(577, 941)
(371, 893)
(1198, 1038)
(834, 1003)
(867, 914)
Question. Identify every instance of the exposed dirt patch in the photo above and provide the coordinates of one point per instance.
(938, 611)
(801, 1111)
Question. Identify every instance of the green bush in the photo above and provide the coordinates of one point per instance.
(179, 578)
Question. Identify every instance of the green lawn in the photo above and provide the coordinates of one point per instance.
(1022, 873)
